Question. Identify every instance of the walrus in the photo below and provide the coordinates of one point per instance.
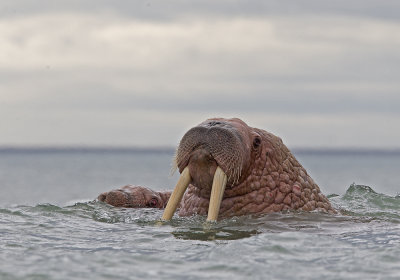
(229, 169)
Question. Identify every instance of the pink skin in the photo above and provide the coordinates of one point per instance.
(263, 175)
(135, 197)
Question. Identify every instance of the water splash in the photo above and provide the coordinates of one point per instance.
(360, 204)
(363, 201)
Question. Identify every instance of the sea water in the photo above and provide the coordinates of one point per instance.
(51, 227)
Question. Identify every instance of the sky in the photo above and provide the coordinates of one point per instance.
(141, 73)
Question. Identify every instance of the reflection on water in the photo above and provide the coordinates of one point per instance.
(205, 234)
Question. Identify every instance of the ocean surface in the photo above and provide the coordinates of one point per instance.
(51, 227)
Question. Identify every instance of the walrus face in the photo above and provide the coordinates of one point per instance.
(215, 155)
(216, 142)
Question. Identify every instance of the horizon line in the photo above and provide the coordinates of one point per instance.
(170, 149)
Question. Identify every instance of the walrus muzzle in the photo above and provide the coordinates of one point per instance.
(224, 144)
(217, 192)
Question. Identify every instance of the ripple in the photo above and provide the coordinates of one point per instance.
(13, 213)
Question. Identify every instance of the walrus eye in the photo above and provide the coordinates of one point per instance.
(153, 202)
(256, 142)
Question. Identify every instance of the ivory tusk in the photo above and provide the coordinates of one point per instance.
(217, 192)
(177, 194)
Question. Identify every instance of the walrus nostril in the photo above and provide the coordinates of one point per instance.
(102, 197)
(213, 123)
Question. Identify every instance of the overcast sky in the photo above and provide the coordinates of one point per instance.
(140, 73)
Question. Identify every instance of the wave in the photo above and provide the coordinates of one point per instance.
(363, 201)
(359, 202)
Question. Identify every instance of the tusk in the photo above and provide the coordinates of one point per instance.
(177, 194)
(217, 192)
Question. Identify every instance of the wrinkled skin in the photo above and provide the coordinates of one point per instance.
(136, 197)
(263, 175)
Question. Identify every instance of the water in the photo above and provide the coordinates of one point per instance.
(50, 227)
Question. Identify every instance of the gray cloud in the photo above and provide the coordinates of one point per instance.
(93, 73)
(167, 10)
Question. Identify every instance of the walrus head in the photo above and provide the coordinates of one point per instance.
(213, 156)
